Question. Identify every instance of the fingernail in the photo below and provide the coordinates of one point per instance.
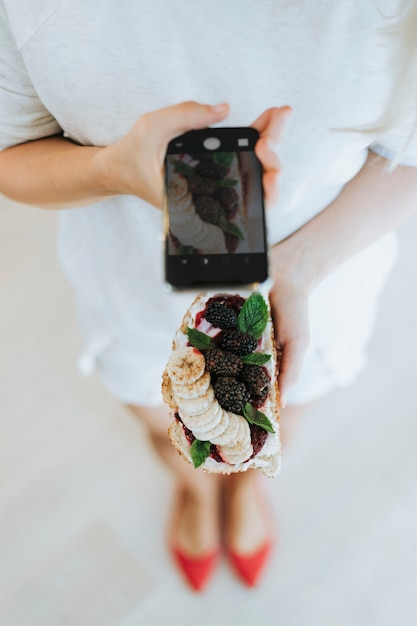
(283, 402)
(219, 108)
(289, 114)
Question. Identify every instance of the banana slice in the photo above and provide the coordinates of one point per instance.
(215, 431)
(192, 231)
(196, 406)
(186, 365)
(210, 418)
(181, 205)
(244, 435)
(241, 449)
(203, 421)
(236, 456)
(196, 390)
(213, 242)
(179, 216)
(177, 187)
(229, 435)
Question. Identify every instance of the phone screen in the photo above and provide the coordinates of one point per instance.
(216, 225)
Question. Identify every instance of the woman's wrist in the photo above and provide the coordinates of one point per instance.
(292, 263)
(108, 172)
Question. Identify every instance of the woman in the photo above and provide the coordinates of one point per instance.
(90, 97)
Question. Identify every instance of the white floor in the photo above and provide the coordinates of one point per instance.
(81, 522)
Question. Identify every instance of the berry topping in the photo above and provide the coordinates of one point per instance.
(220, 315)
(208, 208)
(198, 184)
(223, 363)
(233, 302)
(237, 342)
(258, 438)
(229, 200)
(230, 393)
(256, 380)
(211, 170)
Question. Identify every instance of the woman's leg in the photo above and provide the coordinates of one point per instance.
(198, 520)
(247, 524)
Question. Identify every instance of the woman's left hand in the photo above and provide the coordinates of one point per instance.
(289, 298)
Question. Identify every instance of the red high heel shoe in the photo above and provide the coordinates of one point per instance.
(249, 567)
(197, 570)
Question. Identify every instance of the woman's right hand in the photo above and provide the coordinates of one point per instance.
(134, 165)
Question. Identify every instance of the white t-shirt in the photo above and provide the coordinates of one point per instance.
(89, 69)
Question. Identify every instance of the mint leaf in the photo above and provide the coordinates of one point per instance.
(200, 340)
(229, 227)
(183, 168)
(253, 316)
(254, 416)
(256, 358)
(223, 158)
(184, 249)
(199, 452)
(227, 182)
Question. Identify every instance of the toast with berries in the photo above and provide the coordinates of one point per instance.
(221, 385)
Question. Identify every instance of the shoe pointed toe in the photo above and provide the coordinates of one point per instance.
(197, 570)
(250, 567)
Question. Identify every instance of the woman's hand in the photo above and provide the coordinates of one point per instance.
(289, 296)
(289, 302)
(135, 164)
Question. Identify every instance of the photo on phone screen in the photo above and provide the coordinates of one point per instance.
(216, 223)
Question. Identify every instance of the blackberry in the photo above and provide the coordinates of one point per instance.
(233, 302)
(256, 380)
(211, 170)
(237, 342)
(229, 200)
(231, 394)
(199, 185)
(220, 315)
(208, 208)
(223, 363)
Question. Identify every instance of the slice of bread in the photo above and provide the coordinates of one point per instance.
(235, 445)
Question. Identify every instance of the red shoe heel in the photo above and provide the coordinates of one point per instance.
(251, 566)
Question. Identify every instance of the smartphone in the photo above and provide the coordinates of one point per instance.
(215, 232)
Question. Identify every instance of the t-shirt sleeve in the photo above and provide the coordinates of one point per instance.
(23, 116)
(392, 143)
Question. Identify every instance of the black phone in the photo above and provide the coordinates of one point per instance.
(215, 232)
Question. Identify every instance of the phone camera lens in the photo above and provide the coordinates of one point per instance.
(211, 143)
